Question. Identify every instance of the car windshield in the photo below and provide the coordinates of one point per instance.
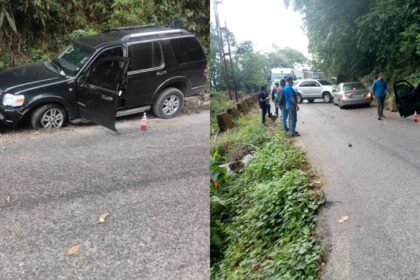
(325, 82)
(353, 86)
(72, 59)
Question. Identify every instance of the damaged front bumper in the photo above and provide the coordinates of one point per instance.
(10, 115)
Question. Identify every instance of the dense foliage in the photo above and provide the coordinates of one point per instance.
(262, 221)
(352, 38)
(35, 29)
(252, 68)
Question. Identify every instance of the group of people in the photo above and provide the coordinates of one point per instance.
(285, 99)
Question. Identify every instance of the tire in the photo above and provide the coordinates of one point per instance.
(326, 96)
(169, 103)
(311, 100)
(299, 98)
(49, 116)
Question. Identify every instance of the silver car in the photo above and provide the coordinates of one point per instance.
(311, 89)
(351, 93)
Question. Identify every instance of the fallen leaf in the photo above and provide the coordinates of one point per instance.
(102, 218)
(8, 199)
(216, 184)
(148, 146)
(74, 250)
(343, 219)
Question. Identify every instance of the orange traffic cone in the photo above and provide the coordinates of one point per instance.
(143, 123)
(415, 117)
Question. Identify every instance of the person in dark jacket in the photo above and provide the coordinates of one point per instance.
(264, 100)
(379, 89)
(273, 97)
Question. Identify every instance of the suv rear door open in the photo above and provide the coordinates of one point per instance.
(407, 98)
(100, 89)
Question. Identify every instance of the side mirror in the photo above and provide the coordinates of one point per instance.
(81, 81)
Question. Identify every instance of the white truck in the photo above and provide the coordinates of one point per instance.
(280, 73)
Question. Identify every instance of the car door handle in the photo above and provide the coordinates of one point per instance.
(107, 98)
(161, 73)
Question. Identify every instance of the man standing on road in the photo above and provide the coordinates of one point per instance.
(273, 97)
(281, 103)
(291, 106)
(379, 89)
(263, 99)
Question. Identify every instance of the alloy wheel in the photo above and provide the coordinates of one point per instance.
(170, 105)
(52, 118)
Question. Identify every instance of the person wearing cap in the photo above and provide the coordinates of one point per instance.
(263, 99)
(379, 89)
(291, 106)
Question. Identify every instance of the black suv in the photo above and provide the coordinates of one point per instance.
(119, 72)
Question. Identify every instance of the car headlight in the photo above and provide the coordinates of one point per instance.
(13, 100)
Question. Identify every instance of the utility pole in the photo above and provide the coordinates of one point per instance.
(225, 52)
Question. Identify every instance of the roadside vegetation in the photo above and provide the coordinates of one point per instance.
(36, 30)
(263, 216)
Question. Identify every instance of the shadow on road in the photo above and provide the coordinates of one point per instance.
(24, 125)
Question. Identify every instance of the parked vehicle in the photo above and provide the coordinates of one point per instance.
(311, 89)
(351, 93)
(277, 74)
(120, 72)
(407, 98)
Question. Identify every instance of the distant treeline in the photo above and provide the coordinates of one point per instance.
(31, 30)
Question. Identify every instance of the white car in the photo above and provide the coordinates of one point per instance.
(311, 89)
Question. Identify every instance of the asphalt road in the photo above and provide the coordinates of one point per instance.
(371, 173)
(54, 185)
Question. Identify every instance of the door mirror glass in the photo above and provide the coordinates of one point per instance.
(82, 80)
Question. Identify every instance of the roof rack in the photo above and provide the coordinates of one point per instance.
(131, 27)
(161, 32)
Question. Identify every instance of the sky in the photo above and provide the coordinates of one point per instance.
(264, 22)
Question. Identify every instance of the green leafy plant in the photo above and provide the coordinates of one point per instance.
(263, 219)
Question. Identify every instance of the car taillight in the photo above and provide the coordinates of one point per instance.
(367, 94)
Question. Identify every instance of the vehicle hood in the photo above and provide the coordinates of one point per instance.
(26, 77)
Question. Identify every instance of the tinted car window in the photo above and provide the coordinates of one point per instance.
(110, 52)
(351, 86)
(187, 49)
(305, 84)
(325, 82)
(104, 73)
(144, 56)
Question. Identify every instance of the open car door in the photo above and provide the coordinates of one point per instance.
(407, 98)
(100, 88)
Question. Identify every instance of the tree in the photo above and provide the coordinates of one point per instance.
(33, 30)
(353, 38)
